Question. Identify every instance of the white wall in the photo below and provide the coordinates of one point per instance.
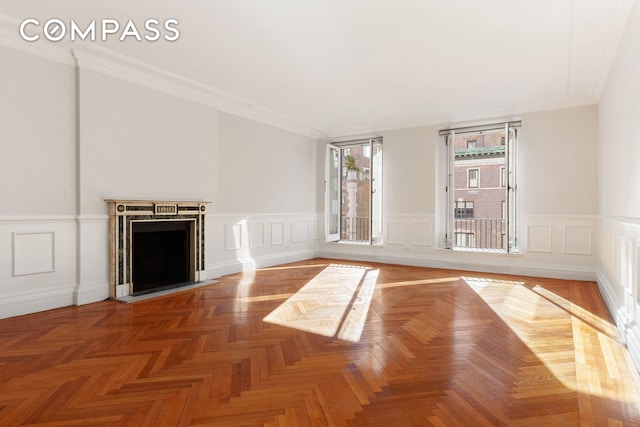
(37, 182)
(558, 169)
(133, 138)
(37, 135)
(619, 184)
(266, 210)
(264, 169)
(559, 162)
(136, 142)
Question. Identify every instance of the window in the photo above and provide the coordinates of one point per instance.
(473, 176)
(472, 143)
(466, 240)
(353, 189)
(463, 209)
(481, 215)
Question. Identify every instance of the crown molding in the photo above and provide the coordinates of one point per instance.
(104, 61)
(9, 37)
(477, 115)
(90, 56)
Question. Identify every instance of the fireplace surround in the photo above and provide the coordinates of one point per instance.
(155, 245)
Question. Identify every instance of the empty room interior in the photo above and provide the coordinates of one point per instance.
(310, 213)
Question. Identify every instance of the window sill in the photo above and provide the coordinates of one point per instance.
(484, 251)
(355, 243)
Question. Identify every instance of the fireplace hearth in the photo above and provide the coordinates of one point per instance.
(155, 245)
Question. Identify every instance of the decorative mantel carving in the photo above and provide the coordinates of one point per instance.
(123, 213)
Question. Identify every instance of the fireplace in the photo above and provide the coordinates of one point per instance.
(162, 255)
(155, 245)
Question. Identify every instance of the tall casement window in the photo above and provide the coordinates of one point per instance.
(353, 188)
(482, 214)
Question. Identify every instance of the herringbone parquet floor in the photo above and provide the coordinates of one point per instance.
(439, 348)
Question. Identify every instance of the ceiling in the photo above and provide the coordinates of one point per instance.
(340, 67)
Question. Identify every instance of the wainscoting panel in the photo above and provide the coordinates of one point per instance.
(577, 240)
(299, 231)
(421, 234)
(33, 253)
(233, 237)
(539, 238)
(396, 233)
(619, 277)
(551, 246)
(37, 264)
(93, 272)
(636, 272)
(277, 233)
(245, 242)
(256, 235)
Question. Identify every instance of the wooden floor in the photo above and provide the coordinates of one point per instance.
(438, 348)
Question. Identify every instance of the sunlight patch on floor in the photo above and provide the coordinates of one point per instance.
(334, 303)
(526, 311)
(417, 282)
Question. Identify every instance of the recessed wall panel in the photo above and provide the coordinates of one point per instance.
(256, 235)
(539, 238)
(422, 234)
(277, 233)
(33, 253)
(396, 232)
(299, 231)
(233, 237)
(577, 240)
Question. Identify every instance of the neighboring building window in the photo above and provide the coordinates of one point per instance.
(463, 210)
(489, 220)
(465, 240)
(473, 178)
(472, 143)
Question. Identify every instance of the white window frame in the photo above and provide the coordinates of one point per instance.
(447, 223)
(333, 188)
(477, 178)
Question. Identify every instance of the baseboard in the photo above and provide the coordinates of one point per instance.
(87, 294)
(35, 302)
(633, 344)
(629, 329)
(605, 286)
(253, 263)
(514, 268)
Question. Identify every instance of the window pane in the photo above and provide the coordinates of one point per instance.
(355, 189)
(333, 194)
(478, 218)
(376, 193)
(473, 178)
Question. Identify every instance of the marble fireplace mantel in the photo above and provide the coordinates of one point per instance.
(124, 213)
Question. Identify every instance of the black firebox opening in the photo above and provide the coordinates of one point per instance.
(162, 255)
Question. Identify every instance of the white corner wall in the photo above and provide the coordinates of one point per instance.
(37, 176)
(134, 142)
(79, 133)
(557, 160)
(619, 186)
(266, 210)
